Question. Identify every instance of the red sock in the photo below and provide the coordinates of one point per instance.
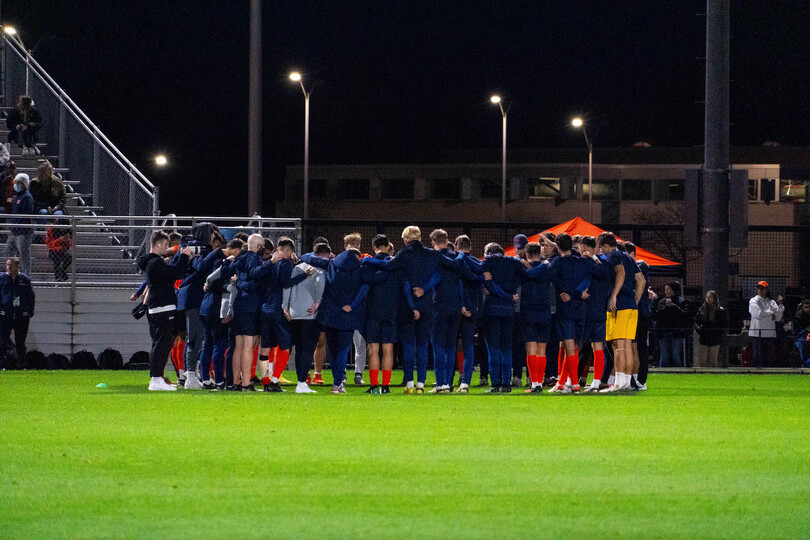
(572, 362)
(265, 380)
(560, 362)
(531, 367)
(541, 368)
(178, 351)
(255, 361)
(374, 375)
(386, 377)
(598, 364)
(282, 357)
(460, 361)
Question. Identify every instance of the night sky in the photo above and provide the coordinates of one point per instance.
(403, 81)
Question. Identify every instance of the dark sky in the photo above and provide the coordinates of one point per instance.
(402, 81)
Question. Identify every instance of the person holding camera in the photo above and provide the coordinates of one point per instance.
(161, 302)
(765, 313)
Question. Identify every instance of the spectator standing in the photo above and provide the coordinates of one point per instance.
(765, 313)
(48, 191)
(19, 241)
(801, 331)
(711, 325)
(23, 124)
(17, 301)
(59, 241)
(670, 319)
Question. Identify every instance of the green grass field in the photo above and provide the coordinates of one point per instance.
(720, 456)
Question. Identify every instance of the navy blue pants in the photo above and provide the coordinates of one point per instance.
(305, 334)
(229, 357)
(415, 336)
(338, 345)
(215, 341)
(467, 334)
(498, 332)
(444, 336)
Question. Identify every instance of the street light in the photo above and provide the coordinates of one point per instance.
(497, 101)
(12, 32)
(161, 160)
(579, 123)
(296, 77)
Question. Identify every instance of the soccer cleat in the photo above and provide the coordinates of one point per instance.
(536, 390)
(375, 391)
(192, 381)
(255, 380)
(434, 390)
(462, 390)
(219, 387)
(575, 389)
(181, 383)
(420, 390)
(444, 390)
(309, 378)
(303, 388)
(408, 391)
(583, 381)
(385, 390)
(494, 390)
(592, 388)
(338, 389)
(158, 384)
(642, 386)
(273, 387)
(249, 388)
(613, 388)
(282, 380)
(549, 381)
(558, 389)
(208, 385)
(372, 388)
(483, 382)
(506, 389)
(233, 388)
(516, 382)
(318, 379)
(358, 379)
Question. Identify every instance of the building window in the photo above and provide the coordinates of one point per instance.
(490, 189)
(603, 190)
(753, 189)
(792, 190)
(544, 188)
(675, 189)
(636, 190)
(396, 188)
(447, 188)
(317, 188)
(352, 189)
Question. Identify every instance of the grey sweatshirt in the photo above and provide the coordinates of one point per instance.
(298, 299)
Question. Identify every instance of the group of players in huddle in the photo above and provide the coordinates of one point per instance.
(252, 292)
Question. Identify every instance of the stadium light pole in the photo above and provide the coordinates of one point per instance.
(12, 32)
(499, 102)
(579, 123)
(296, 77)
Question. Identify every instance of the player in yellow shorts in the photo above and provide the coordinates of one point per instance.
(621, 324)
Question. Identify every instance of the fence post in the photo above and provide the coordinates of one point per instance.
(96, 168)
(132, 192)
(62, 134)
(73, 260)
(299, 236)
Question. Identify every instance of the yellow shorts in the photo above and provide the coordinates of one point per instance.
(622, 324)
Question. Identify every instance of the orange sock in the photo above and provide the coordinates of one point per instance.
(541, 368)
(560, 362)
(177, 354)
(572, 363)
(531, 366)
(282, 357)
(255, 361)
(386, 377)
(374, 375)
(598, 364)
(460, 361)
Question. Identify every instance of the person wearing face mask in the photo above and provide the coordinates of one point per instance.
(19, 241)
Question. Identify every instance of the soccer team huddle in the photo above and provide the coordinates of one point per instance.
(230, 298)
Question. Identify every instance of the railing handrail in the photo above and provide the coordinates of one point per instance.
(80, 115)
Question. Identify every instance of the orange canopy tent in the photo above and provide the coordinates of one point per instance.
(583, 228)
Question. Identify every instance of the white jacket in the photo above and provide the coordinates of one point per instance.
(765, 313)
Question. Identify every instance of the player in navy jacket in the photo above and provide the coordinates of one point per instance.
(474, 303)
(600, 274)
(535, 316)
(342, 309)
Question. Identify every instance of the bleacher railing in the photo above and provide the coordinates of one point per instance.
(104, 249)
(69, 135)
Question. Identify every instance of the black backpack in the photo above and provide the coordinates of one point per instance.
(56, 361)
(110, 359)
(139, 360)
(34, 360)
(83, 360)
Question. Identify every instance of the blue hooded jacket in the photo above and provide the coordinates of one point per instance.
(347, 283)
(248, 297)
(599, 290)
(22, 203)
(385, 297)
(569, 274)
(534, 297)
(277, 277)
(190, 294)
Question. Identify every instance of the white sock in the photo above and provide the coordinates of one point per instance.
(409, 384)
(464, 385)
(420, 385)
(619, 379)
(317, 373)
(274, 379)
(535, 384)
(611, 380)
(302, 385)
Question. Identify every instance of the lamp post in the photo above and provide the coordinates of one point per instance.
(579, 123)
(161, 160)
(11, 31)
(296, 77)
(497, 100)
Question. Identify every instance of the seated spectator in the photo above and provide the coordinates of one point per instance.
(7, 187)
(23, 124)
(801, 331)
(5, 159)
(671, 321)
(48, 191)
(19, 241)
(711, 324)
(59, 241)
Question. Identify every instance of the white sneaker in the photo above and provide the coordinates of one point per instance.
(157, 383)
(303, 388)
(611, 389)
(642, 386)
(192, 381)
(433, 390)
